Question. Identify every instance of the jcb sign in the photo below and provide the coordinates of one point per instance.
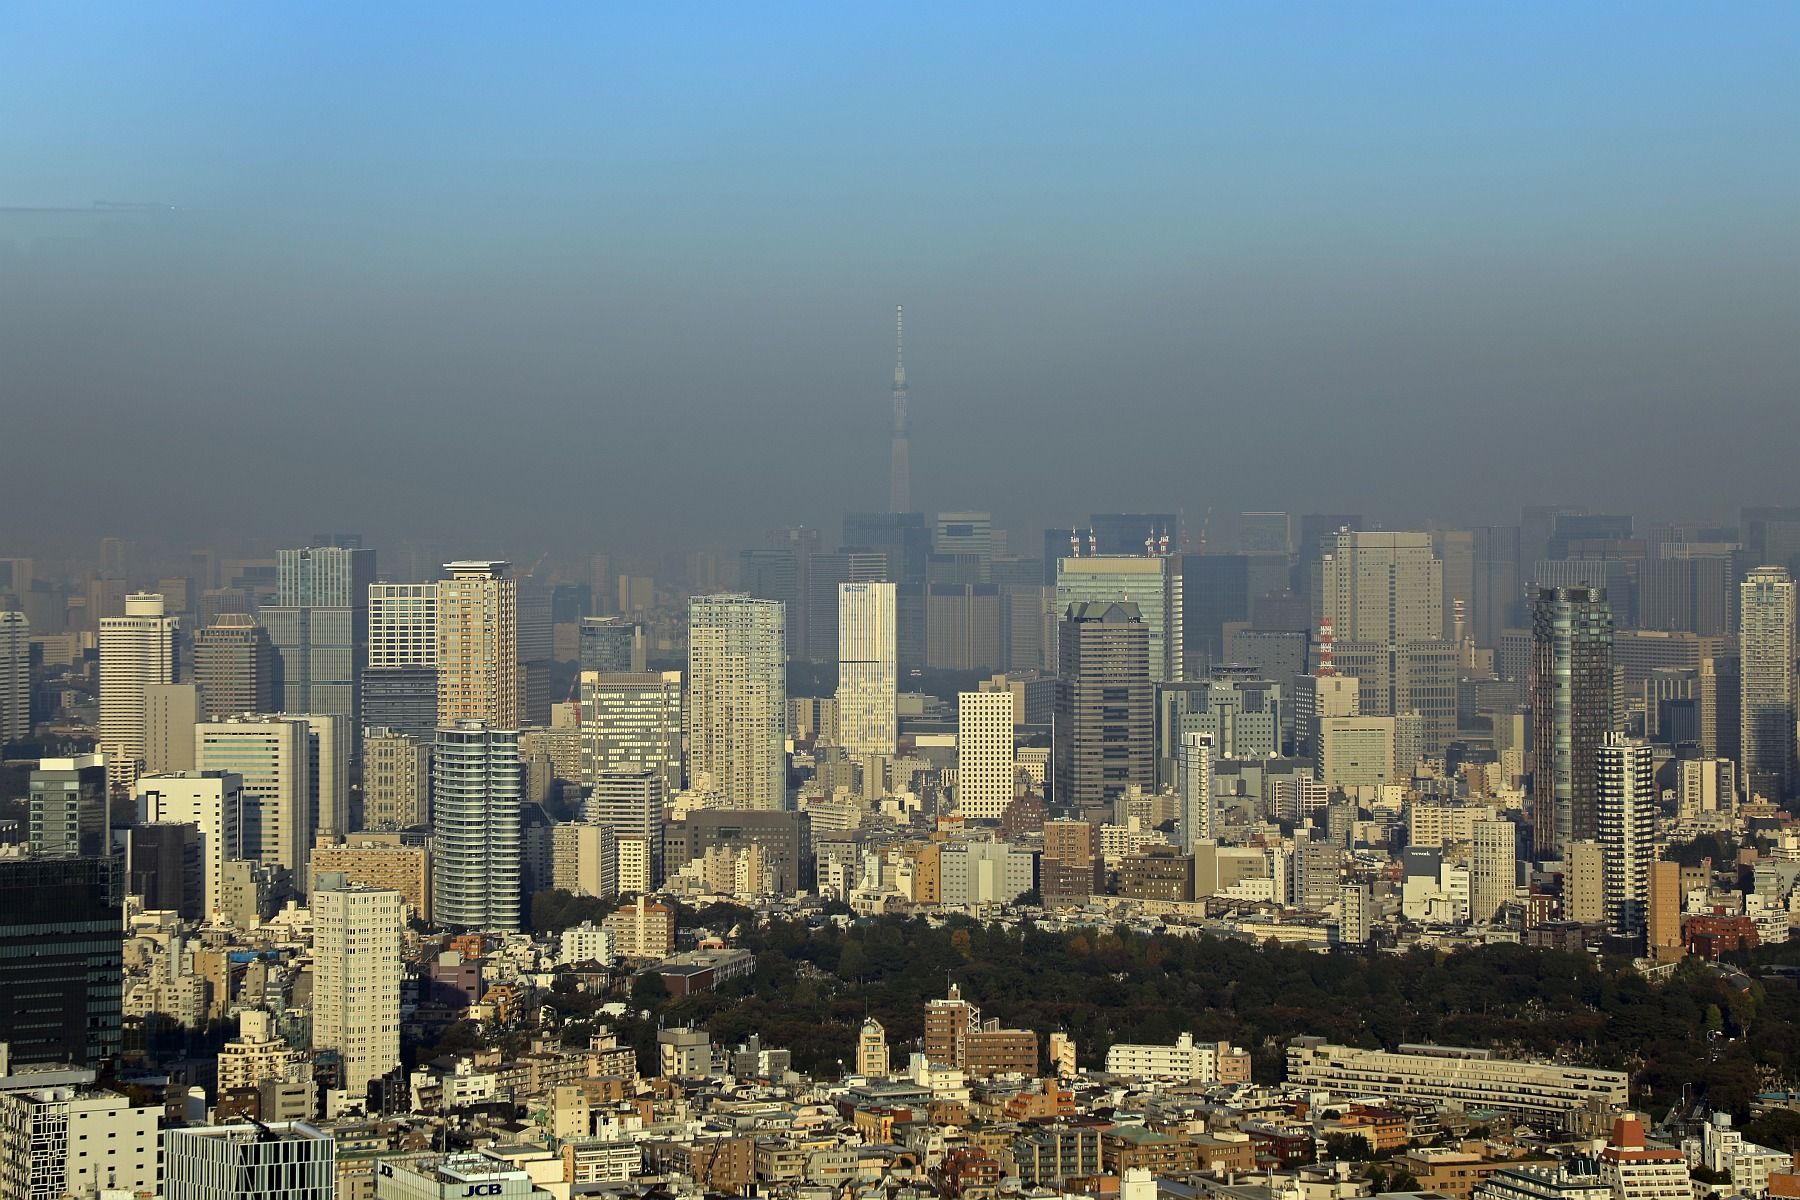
(482, 1189)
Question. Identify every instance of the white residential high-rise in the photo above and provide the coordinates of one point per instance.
(631, 721)
(985, 766)
(211, 800)
(478, 644)
(1766, 642)
(15, 677)
(477, 788)
(1494, 868)
(1353, 914)
(1193, 777)
(1627, 835)
(66, 1141)
(403, 625)
(136, 651)
(1154, 584)
(356, 978)
(737, 699)
(868, 669)
(273, 755)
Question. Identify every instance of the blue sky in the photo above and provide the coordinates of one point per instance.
(1152, 254)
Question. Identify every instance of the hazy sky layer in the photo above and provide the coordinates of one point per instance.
(627, 273)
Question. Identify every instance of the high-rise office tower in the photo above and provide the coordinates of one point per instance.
(985, 766)
(478, 644)
(213, 803)
(1265, 533)
(1193, 783)
(1627, 832)
(902, 537)
(868, 669)
(1766, 670)
(537, 651)
(273, 756)
(276, 1160)
(136, 651)
(62, 936)
(477, 789)
(966, 537)
(235, 667)
(1571, 711)
(15, 677)
(1496, 604)
(396, 779)
(631, 722)
(962, 626)
(1154, 584)
(171, 710)
(1215, 591)
(1494, 867)
(630, 804)
(611, 645)
(737, 700)
(70, 808)
(165, 868)
(319, 625)
(1140, 534)
(400, 683)
(899, 452)
(329, 742)
(1104, 731)
(356, 978)
(826, 574)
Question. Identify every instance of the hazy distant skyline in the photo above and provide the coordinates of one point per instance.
(627, 273)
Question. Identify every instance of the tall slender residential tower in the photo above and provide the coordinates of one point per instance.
(899, 459)
(478, 787)
(1193, 776)
(985, 765)
(1766, 673)
(478, 644)
(737, 699)
(15, 677)
(1571, 711)
(1104, 733)
(1627, 832)
(356, 978)
(136, 651)
(868, 670)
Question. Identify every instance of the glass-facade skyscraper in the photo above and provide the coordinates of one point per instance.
(1571, 712)
(319, 625)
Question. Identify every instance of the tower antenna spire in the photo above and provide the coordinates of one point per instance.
(899, 457)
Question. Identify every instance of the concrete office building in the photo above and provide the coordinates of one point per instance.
(70, 808)
(69, 1141)
(1571, 711)
(630, 803)
(61, 961)
(380, 860)
(737, 700)
(784, 840)
(164, 868)
(962, 626)
(1153, 584)
(356, 978)
(1103, 740)
(1767, 707)
(825, 577)
(319, 625)
(478, 645)
(273, 756)
(1356, 752)
(171, 710)
(137, 650)
(1626, 831)
(235, 667)
(1584, 882)
(868, 669)
(478, 786)
(272, 1160)
(985, 764)
(985, 873)
(583, 859)
(329, 740)
(631, 722)
(212, 802)
(396, 771)
(400, 684)
(15, 677)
